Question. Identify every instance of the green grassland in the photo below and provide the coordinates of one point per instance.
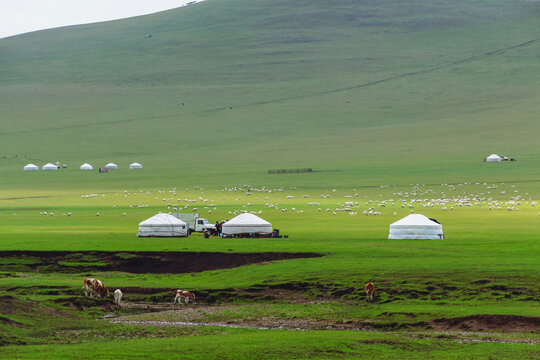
(241, 344)
(401, 102)
(487, 265)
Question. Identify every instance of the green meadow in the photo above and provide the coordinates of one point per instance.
(392, 105)
(487, 264)
(292, 345)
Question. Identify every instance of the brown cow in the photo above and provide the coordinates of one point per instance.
(182, 294)
(370, 291)
(94, 287)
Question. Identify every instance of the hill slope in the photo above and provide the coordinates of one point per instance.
(386, 91)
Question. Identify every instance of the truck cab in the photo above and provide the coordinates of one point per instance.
(201, 224)
(195, 222)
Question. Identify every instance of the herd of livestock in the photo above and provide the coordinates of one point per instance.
(96, 288)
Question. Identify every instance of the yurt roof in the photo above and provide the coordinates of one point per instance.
(415, 219)
(50, 166)
(162, 219)
(247, 219)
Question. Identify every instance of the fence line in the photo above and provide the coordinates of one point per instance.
(288, 171)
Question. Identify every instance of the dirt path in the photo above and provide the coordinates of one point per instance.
(459, 336)
(452, 328)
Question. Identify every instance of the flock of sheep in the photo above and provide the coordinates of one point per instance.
(418, 197)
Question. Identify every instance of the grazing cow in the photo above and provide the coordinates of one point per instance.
(370, 291)
(182, 294)
(94, 287)
(118, 298)
(88, 285)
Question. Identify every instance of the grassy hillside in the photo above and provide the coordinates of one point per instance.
(386, 91)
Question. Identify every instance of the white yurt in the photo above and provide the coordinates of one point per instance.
(31, 167)
(245, 224)
(493, 158)
(163, 225)
(111, 166)
(86, 166)
(49, 166)
(416, 227)
(135, 165)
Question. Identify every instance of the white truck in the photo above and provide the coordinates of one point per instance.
(195, 222)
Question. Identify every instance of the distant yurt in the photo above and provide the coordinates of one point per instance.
(163, 225)
(86, 166)
(111, 166)
(416, 227)
(49, 166)
(246, 224)
(31, 167)
(135, 165)
(493, 158)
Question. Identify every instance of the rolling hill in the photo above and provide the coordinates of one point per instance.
(224, 90)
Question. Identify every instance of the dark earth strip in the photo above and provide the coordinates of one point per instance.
(134, 262)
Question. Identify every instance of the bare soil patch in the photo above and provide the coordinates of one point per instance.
(135, 262)
(8, 304)
(489, 322)
(11, 322)
(83, 302)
